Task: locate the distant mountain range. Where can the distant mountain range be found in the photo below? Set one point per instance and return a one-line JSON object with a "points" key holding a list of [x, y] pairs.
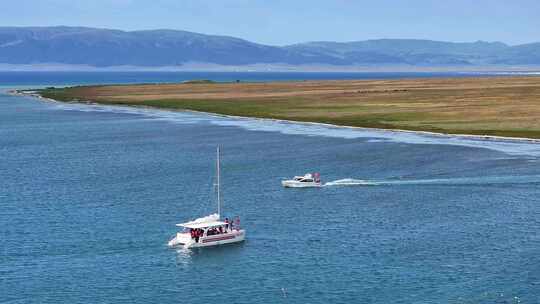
{"points": [[170, 48]]}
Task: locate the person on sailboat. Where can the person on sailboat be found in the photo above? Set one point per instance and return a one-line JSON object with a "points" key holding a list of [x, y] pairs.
{"points": [[197, 235], [237, 222]]}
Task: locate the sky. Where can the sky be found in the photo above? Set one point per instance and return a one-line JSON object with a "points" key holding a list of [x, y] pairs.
{"points": [[282, 22]]}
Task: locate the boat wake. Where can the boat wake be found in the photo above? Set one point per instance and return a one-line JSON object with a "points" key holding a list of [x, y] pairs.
{"points": [[350, 182], [484, 180]]}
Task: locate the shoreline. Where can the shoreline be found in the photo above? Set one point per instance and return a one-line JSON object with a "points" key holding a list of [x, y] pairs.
{"points": [[273, 68], [34, 94]]}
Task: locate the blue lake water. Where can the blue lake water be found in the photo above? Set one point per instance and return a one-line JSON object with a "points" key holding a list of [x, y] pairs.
{"points": [[67, 78], [89, 196]]}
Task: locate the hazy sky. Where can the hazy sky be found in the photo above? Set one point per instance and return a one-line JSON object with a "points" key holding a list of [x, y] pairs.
{"points": [[280, 22]]}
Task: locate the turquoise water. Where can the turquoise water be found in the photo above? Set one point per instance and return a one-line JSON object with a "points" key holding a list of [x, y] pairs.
{"points": [[65, 78], [89, 197]]}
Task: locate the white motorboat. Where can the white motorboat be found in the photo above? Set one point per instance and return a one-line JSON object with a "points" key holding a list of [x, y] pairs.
{"points": [[209, 230], [306, 181]]}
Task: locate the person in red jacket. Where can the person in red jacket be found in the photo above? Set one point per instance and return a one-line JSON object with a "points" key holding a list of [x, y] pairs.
{"points": [[197, 235]]}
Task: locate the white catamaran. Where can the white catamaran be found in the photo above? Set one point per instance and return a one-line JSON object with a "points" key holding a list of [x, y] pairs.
{"points": [[210, 230]]}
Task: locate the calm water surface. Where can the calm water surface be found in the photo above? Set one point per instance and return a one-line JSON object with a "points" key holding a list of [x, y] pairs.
{"points": [[89, 197]]}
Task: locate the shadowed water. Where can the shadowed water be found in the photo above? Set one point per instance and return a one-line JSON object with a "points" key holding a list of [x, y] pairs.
{"points": [[90, 195]]}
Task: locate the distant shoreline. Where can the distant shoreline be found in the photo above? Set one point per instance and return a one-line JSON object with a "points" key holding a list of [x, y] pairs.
{"points": [[35, 94], [276, 68]]}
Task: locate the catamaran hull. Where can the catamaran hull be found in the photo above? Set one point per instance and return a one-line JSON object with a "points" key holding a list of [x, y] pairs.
{"points": [[185, 240], [296, 184], [180, 239]]}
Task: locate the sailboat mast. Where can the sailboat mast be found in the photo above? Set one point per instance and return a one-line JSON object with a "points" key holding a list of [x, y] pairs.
{"points": [[218, 184]]}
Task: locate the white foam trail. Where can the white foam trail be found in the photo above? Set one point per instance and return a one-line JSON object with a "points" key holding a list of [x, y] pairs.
{"points": [[483, 180], [513, 147], [351, 182]]}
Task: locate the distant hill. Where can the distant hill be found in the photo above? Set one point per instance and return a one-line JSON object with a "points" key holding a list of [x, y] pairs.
{"points": [[158, 48], [405, 51]]}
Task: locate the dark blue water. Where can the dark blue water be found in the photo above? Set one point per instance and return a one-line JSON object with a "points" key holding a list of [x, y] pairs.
{"points": [[67, 78], [89, 197]]}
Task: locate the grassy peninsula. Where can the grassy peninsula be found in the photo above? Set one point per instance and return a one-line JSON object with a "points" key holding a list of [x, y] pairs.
{"points": [[497, 106]]}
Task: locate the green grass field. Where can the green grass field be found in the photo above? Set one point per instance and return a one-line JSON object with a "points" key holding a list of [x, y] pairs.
{"points": [[501, 106]]}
